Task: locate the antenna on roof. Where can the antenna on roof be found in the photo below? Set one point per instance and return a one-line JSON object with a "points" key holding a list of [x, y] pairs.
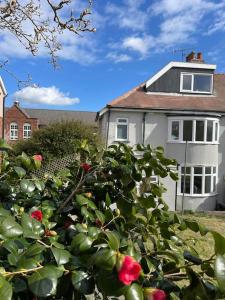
{"points": [[182, 51]]}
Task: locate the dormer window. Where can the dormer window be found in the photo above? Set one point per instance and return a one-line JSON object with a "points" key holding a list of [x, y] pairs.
{"points": [[196, 83]]}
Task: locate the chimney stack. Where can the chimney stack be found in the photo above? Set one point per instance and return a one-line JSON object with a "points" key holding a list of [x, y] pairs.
{"points": [[16, 103], [195, 59]]}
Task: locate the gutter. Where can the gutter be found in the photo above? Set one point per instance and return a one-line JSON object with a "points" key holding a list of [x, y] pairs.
{"points": [[143, 126], [107, 132]]}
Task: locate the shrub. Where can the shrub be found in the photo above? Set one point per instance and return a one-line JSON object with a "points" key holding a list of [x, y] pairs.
{"points": [[87, 231], [58, 139]]}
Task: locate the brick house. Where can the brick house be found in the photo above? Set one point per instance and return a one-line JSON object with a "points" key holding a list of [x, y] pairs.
{"points": [[20, 122]]}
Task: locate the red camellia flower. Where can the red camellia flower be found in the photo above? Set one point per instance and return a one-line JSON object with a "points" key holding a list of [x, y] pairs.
{"points": [[37, 157], [129, 270], [37, 214], [154, 294], [86, 167]]}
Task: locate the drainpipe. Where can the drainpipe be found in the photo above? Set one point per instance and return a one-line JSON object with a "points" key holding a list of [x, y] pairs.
{"points": [[3, 118], [107, 132], [143, 128], [176, 190]]}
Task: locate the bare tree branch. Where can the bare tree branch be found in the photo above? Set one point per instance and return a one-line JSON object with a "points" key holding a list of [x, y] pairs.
{"points": [[28, 22]]}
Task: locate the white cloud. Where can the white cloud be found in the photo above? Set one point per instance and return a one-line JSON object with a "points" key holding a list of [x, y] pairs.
{"points": [[130, 15], [142, 45], [118, 58], [44, 95]]}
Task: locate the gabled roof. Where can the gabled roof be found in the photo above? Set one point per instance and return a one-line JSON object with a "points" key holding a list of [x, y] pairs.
{"points": [[47, 116], [174, 64], [137, 98]]}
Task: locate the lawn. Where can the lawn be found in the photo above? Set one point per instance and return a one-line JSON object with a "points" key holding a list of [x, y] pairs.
{"points": [[204, 244]]}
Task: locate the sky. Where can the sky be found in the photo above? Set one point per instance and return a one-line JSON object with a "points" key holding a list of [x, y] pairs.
{"points": [[133, 40]]}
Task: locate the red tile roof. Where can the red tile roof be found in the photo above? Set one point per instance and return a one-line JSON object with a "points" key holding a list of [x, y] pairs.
{"points": [[138, 98]]}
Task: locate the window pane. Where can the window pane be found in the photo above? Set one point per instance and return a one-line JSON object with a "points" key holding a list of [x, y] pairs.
{"points": [[207, 184], [175, 130], [122, 132], [214, 170], [187, 184], [187, 79], [202, 83], [197, 185], [216, 132], [187, 130], [188, 170], [209, 130], [198, 170], [199, 136], [207, 170], [122, 121]]}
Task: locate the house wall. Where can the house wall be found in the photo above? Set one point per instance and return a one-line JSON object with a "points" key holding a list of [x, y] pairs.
{"points": [[14, 114], [156, 134], [1, 112], [170, 81]]}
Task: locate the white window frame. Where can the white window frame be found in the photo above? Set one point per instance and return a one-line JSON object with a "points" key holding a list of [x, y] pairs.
{"points": [[126, 123], [192, 83], [215, 139], [203, 175], [25, 130], [13, 127]]}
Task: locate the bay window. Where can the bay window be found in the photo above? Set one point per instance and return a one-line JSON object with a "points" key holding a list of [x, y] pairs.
{"points": [[198, 180], [199, 130], [196, 83]]}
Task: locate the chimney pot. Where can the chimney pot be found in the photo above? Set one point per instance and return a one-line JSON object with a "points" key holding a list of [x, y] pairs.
{"points": [[17, 103], [190, 57], [199, 56]]}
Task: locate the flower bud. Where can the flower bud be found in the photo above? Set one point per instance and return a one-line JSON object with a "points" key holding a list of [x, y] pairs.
{"points": [[154, 294], [117, 211], [128, 269], [84, 226], [88, 195]]}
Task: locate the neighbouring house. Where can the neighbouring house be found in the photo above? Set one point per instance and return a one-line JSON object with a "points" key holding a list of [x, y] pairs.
{"points": [[182, 108], [3, 94], [20, 122]]}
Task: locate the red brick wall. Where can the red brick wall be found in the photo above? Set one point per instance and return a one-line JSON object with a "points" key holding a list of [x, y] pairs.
{"points": [[14, 114]]}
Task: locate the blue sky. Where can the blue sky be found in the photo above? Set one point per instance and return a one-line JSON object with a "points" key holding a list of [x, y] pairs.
{"points": [[134, 39]]}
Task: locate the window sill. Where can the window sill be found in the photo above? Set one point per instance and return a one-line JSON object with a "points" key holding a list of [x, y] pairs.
{"points": [[198, 143], [198, 195], [121, 141]]}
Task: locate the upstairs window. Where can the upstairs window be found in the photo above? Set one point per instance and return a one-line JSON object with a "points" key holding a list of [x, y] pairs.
{"points": [[122, 129], [26, 131], [13, 131], [193, 130], [196, 83]]}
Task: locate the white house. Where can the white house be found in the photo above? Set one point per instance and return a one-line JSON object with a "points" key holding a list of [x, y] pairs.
{"points": [[182, 108]]}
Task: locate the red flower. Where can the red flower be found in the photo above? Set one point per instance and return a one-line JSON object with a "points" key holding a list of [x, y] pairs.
{"points": [[154, 294], [37, 157], [86, 167], [129, 270], [37, 214]]}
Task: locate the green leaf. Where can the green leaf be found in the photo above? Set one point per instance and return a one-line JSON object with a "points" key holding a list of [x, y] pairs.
{"points": [[220, 271], [27, 186], [61, 256], [31, 227], [219, 242], [105, 259], [81, 200], [5, 289], [134, 292], [10, 228], [25, 159], [34, 250], [100, 216], [20, 172], [43, 282], [4, 146], [114, 241], [83, 282], [39, 185], [81, 243]]}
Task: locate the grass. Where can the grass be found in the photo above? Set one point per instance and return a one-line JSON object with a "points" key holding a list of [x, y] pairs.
{"points": [[204, 244]]}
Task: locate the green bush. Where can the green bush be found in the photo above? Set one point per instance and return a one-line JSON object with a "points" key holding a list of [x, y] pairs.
{"points": [[58, 139], [87, 231]]}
